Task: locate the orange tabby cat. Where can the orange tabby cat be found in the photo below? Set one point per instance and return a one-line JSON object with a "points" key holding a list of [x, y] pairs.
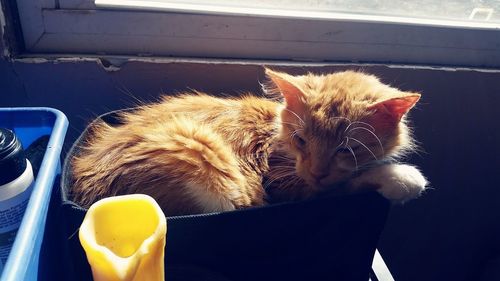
{"points": [[196, 153]]}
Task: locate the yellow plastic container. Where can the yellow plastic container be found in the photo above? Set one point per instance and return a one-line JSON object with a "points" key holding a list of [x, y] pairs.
{"points": [[124, 239]]}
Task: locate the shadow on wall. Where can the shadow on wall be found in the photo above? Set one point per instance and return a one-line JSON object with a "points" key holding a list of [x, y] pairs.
{"points": [[449, 234]]}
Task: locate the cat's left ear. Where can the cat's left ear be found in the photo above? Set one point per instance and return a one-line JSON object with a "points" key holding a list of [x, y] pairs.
{"points": [[396, 107], [294, 96]]}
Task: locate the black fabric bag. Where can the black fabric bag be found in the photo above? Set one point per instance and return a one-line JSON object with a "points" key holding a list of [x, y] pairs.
{"points": [[328, 238]]}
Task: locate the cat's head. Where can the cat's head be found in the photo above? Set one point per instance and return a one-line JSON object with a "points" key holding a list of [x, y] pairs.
{"points": [[335, 124]]}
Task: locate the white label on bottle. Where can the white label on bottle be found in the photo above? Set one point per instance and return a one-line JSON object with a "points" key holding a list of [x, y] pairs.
{"points": [[11, 214]]}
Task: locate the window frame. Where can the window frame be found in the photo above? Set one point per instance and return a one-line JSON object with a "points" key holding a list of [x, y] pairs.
{"points": [[79, 27]]}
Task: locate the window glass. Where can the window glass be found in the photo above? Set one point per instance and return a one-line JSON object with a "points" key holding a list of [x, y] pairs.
{"points": [[475, 10]]}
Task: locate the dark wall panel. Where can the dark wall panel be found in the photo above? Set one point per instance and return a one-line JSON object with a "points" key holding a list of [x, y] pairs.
{"points": [[451, 233]]}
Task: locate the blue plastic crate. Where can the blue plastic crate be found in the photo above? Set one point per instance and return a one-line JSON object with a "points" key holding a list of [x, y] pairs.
{"points": [[30, 124]]}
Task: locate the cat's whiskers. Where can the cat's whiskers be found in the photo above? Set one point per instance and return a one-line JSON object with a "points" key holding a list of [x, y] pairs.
{"points": [[277, 176], [288, 158], [298, 117], [283, 167], [364, 123], [279, 171], [348, 126], [293, 181], [281, 174], [352, 152], [291, 124], [341, 117], [341, 144], [367, 148], [284, 160], [358, 122], [281, 185], [294, 133], [372, 133]]}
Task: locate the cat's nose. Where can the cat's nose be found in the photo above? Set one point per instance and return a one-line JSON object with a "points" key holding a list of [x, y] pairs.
{"points": [[318, 175]]}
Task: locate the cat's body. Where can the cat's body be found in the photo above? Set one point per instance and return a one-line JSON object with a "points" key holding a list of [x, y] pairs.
{"points": [[196, 153], [185, 153]]}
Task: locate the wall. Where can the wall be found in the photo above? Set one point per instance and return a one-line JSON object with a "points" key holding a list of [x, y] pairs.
{"points": [[449, 234]]}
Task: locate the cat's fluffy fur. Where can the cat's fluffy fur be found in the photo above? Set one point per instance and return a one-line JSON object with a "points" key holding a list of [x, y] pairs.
{"points": [[196, 153]]}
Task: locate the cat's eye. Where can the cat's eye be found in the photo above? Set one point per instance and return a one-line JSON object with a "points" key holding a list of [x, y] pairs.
{"points": [[343, 150], [300, 141]]}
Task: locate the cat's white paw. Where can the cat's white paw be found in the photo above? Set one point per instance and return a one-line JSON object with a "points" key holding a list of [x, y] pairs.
{"points": [[396, 182], [402, 182]]}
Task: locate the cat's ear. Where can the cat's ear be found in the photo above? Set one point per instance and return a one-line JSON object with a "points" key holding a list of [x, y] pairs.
{"points": [[294, 96], [394, 108]]}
